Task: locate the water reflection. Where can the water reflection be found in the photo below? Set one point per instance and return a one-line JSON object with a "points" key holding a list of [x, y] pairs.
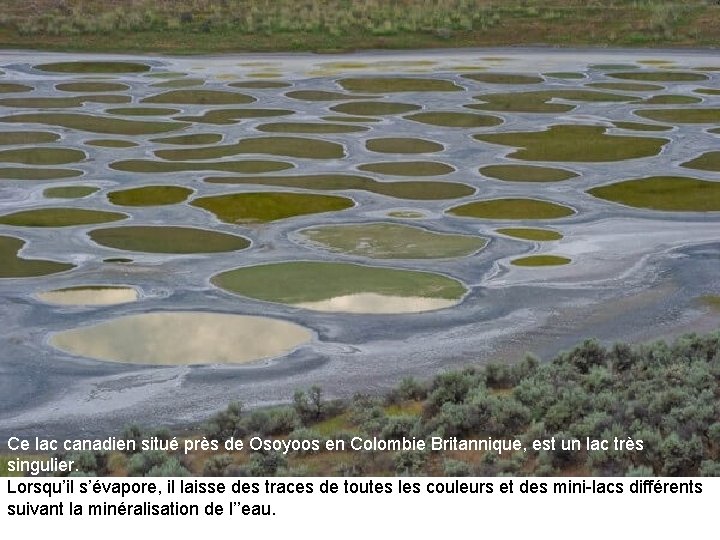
{"points": [[90, 296], [372, 303], [176, 338]]}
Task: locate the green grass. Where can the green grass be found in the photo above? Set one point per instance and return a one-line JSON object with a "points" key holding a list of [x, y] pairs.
{"points": [[659, 76], [95, 124], [407, 408], [28, 173], [159, 167], [321, 95], [69, 192], [299, 282], [309, 127], [15, 267], [640, 126], [535, 235], [455, 119], [4, 467], [176, 240], [10, 88], [569, 143], [682, 116], [81, 87], [526, 173], [263, 207], [708, 91], [384, 85], [671, 99], [334, 425], [712, 301], [666, 193], [415, 190], [111, 143], [142, 111], [94, 67], [200, 97], [195, 138], [512, 209], [150, 196], [298, 147], [571, 75], [709, 161], [59, 217], [374, 108], [402, 145], [27, 137], [42, 155], [391, 241], [504, 78], [62, 102], [540, 260]]}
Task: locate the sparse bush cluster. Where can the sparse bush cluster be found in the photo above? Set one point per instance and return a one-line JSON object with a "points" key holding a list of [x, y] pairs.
{"points": [[667, 395]]}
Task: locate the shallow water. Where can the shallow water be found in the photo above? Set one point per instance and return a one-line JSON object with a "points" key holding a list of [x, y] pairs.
{"points": [[169, 338], [90, 295], [377, 304], [317, 284]]}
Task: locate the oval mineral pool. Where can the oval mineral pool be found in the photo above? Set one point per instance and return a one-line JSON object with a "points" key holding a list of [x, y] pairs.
{"points": [[573, 143], [81, 87], [90, 295], [182, 338], [391, 241], [12, 265], [245, 208], [540, 260], [69, 192], [199, 97], [343, 287], [168, 239], [59, 217]]}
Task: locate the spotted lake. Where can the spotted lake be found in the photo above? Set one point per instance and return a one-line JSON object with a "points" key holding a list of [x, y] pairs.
{"points": [[179, 232]]}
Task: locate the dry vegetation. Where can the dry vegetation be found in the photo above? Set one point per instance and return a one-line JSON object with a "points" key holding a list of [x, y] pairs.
{"points": [[327, 25], [666, 395]]}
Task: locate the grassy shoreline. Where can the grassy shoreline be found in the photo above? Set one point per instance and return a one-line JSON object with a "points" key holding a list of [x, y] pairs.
{"points": [[328, 26]]}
